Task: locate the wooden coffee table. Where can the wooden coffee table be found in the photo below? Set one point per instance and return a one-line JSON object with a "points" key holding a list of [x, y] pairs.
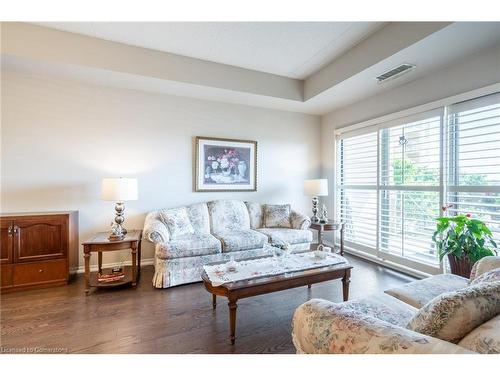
{"points": [[268, 284]]}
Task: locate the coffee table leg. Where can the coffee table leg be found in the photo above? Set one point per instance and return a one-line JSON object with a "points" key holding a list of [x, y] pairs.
{"points": [[232, 319], [309, 286], [345, 284], [214, 301]]}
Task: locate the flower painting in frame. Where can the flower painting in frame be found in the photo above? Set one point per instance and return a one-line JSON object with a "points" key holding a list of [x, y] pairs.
{"points": [[225, 165]]}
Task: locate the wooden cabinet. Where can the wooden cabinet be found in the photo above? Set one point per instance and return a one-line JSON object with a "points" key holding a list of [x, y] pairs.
{"points": [[6, 241], [37, 249]]}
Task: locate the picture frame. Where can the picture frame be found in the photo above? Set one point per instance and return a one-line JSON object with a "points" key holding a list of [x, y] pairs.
{"points": [[225, 165]]}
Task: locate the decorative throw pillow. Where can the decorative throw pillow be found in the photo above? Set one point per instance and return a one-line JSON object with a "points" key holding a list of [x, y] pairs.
{"points": [[484, 265], [277, 215], [255, 212], [177, 222], [487, 277], [452, 315]]}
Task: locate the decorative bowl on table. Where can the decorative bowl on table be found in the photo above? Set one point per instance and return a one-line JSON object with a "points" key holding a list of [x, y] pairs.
{"points": [[320, 254], [232, 265], [280, 250]]}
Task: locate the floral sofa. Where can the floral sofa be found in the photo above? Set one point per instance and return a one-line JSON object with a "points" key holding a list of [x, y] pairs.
{"points": [[186, 238], [440, 314]]}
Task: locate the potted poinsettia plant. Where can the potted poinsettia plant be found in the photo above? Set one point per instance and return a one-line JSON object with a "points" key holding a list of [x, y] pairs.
{"points": [[464, 240]]}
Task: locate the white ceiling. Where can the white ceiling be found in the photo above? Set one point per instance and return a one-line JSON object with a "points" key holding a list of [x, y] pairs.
{"points": [[34, 52], [443, 48], [290, 49]]}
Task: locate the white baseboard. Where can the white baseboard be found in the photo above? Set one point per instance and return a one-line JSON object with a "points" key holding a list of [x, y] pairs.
{"points": [[385, 263], [371, 258], [144, 262]]}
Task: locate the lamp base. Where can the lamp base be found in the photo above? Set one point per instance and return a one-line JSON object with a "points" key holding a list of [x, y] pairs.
{"points": [[118, 232], [314, 217]]}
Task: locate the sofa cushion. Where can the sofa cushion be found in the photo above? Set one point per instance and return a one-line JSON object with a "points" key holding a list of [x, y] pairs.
{"points": [[484, 339], [190, 245], [291, 236], [177, 222], [487, 277], [238, 240], [383, 307], [277, 216], [228, 215], [198, 215], [452, 315], [256, 215], [418, 293]]}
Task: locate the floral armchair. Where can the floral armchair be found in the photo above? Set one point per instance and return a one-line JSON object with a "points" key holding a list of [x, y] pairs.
{"points": [[381, 323], [323, 327]]}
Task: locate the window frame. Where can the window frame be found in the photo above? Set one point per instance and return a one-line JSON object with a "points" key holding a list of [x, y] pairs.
{"points": [[378, 187], [443, 188]]}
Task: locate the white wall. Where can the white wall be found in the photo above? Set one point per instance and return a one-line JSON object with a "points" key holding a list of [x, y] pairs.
{"points": [[59, 138], [471, 73]]}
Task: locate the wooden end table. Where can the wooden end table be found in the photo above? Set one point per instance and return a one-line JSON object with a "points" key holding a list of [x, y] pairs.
{"points": [[100, 243], [330, 227], [268, 284]]}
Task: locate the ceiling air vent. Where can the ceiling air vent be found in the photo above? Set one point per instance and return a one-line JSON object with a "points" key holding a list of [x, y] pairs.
{"points": [[395, 72]]}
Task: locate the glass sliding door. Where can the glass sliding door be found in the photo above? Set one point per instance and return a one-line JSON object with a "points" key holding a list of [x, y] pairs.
{"points": [[410, 161], [393, 178]]}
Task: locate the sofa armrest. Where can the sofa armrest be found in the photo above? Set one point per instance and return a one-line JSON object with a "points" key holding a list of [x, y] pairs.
{"points": [[322, 327], [163, 250], [299, 220], [154, 229], [484, 265]]}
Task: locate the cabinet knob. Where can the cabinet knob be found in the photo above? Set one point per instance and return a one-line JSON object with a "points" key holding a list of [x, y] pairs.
{"points": [[40, 271]]}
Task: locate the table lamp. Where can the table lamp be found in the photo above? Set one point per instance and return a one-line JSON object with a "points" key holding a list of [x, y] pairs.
{"points": [[315, 188], [119, 190]]}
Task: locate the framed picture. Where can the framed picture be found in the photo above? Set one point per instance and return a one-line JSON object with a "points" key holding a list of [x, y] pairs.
{"points": [[225, 165]]}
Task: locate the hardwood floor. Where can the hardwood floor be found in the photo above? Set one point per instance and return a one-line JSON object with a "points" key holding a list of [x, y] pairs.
{"points": [[175, 320]]}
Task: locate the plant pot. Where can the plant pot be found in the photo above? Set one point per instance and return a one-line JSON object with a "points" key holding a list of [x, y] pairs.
{"points": [[460, 266]]}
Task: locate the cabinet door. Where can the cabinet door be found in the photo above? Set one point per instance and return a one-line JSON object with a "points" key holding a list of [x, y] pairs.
{"points": [[6, 240], [40, 238]]}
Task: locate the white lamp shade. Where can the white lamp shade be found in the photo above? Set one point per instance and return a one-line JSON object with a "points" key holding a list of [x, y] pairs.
{"points": [[119, 189], [316, 188]]}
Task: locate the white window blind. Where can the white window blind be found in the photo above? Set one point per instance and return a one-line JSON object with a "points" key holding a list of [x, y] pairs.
{"points": [[357, 189], [393, 179], [473, 172]]}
